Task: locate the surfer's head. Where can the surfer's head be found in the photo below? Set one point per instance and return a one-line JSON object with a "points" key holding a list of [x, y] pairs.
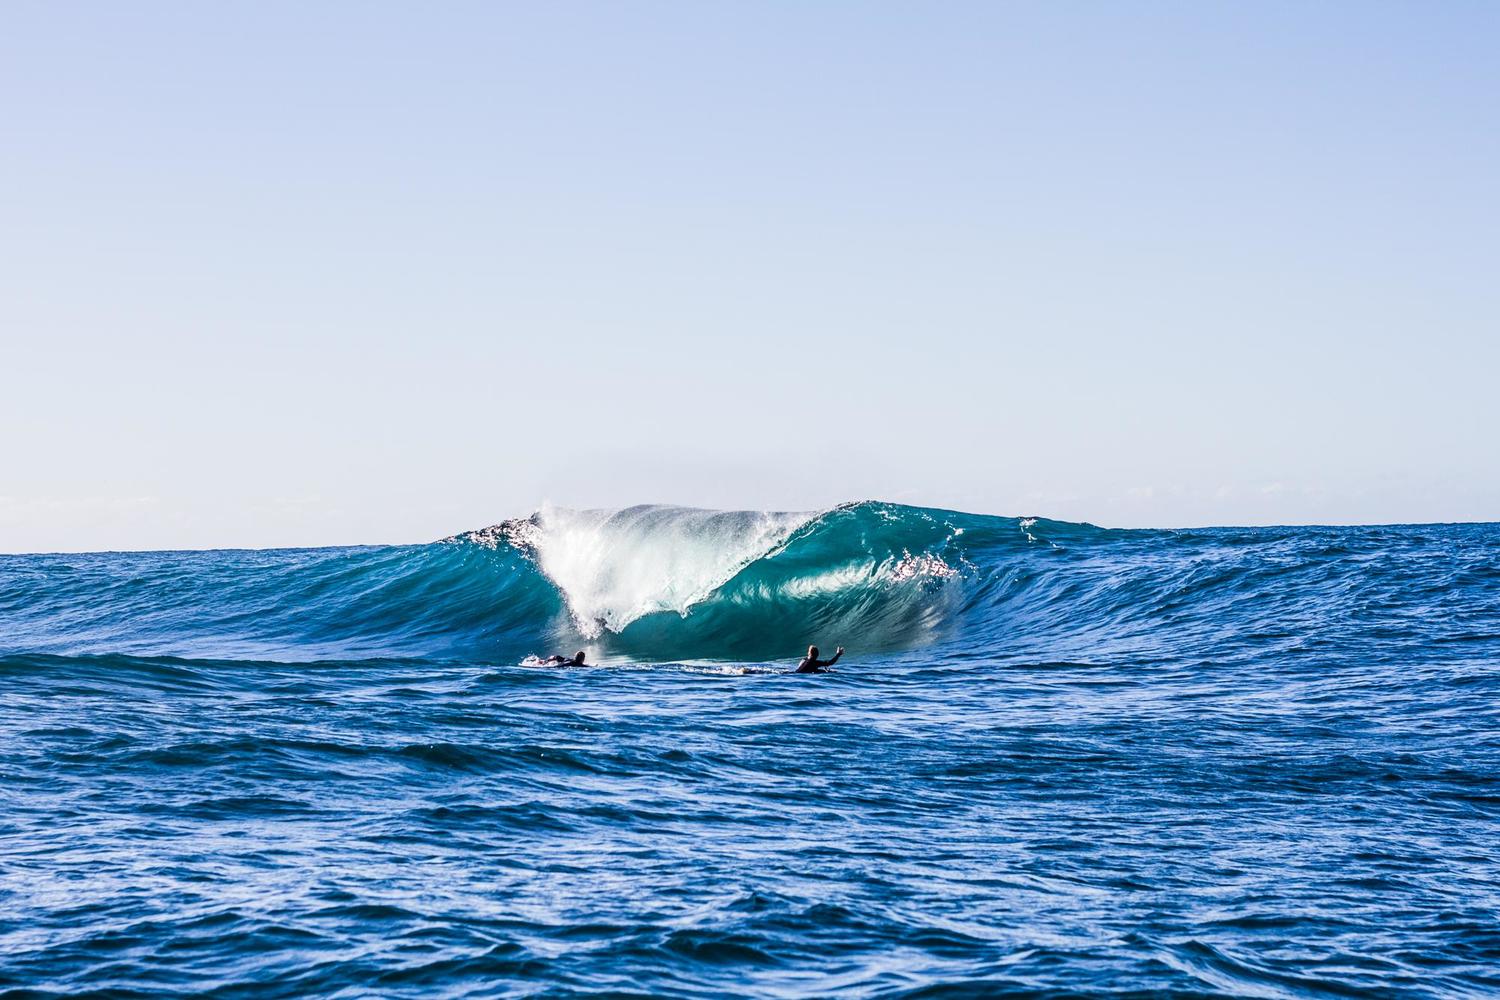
{"points": [[812, 652], [578, 658]]}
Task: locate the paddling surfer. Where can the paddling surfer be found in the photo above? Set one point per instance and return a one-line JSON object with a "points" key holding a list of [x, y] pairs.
{"points": [[558, 660], [812, 665]]}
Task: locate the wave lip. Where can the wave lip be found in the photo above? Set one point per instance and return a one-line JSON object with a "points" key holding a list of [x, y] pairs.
{"points": [[678, 581], [614, 567]]}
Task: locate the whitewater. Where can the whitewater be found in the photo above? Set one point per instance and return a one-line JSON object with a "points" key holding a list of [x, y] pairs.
{"points": [[1057, 760]]}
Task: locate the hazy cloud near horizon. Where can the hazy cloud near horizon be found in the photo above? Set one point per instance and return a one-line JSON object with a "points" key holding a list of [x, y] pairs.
{"points": [[275, 275]]}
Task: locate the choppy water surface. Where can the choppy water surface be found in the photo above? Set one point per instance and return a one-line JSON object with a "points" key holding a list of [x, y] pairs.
{"points": [[1057, 760]]}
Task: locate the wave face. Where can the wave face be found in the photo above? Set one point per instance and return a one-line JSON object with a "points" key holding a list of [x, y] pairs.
{"points": [[647, 581], [615, 567], [677, 582], [278, 604], [1058, 760], [662, 582]]}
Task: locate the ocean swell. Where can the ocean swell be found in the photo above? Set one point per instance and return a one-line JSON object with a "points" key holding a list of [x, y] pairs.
{"points": [[659, 583]]}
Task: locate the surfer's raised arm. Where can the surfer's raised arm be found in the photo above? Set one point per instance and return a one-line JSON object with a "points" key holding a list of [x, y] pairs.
{"points": [[812, 665]]}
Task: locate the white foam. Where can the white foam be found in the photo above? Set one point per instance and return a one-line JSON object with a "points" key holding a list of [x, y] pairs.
{"points": [[614, 566]]}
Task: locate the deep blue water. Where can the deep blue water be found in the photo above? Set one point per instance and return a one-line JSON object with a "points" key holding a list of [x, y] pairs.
{"points": [[1056, 760]]}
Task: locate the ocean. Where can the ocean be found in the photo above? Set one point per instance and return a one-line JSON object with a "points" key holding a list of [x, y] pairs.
{"points": [[1056, 760]]}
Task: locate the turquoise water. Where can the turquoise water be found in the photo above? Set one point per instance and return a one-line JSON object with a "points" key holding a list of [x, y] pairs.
{"points": [[1056, 760]]}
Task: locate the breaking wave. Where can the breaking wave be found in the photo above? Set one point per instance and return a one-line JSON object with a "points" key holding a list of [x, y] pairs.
{"points": [[654, 581], [662, 582], [680, 582]]}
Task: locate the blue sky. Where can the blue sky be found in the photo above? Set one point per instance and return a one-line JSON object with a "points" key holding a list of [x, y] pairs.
{"points": [[302, 274]]}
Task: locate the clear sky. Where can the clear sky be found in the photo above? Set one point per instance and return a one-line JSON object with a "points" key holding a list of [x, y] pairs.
{"points": [[292, 273]]}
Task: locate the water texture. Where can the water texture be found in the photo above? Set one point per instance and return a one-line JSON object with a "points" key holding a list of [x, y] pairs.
{"points": [[1056, 761]]}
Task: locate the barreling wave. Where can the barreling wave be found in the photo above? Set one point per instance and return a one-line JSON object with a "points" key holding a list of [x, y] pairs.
{"points": [[661, 582], [649, 581], [679, 582]]}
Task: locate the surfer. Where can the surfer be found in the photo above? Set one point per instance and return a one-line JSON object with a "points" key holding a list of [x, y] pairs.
{"points": [[812, 665], [558, 660]]}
